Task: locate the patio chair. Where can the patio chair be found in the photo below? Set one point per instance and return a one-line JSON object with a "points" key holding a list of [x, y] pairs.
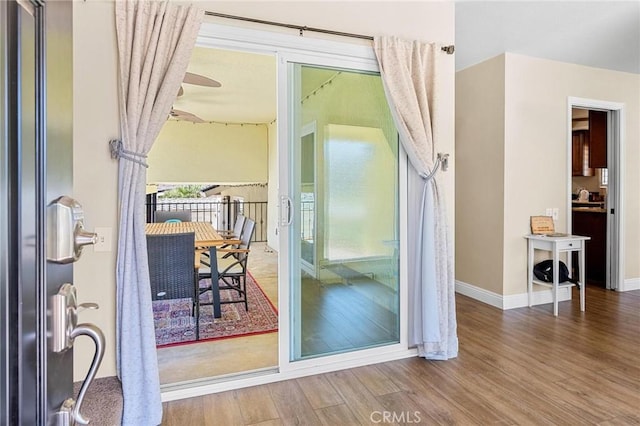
{"points": [[235, 234], [173, 216], [232, 272], [171, 269]]}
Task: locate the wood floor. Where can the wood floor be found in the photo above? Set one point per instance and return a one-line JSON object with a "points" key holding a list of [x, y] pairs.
{"points": [[340, 317], [516, 367]]}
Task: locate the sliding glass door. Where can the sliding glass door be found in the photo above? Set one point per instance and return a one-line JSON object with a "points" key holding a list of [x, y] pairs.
{"points": [[343, 190]]}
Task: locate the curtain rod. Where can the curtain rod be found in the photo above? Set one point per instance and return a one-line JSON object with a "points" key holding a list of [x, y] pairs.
{"points": [[301, 28]]}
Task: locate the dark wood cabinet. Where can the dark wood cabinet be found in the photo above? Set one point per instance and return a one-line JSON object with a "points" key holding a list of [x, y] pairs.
{"points": [[580, 154], [598, 139], [593, 224]]}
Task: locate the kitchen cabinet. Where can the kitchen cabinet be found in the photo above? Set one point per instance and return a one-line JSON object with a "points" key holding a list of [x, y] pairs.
{"points": [[598, 139], [592, 222], [580, 154]]}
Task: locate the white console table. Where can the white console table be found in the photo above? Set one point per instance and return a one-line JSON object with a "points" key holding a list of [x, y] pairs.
{"points": [[556, 245]]}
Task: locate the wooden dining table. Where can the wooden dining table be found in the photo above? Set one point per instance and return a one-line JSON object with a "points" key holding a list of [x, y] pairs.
{"points": [[206, 236]]}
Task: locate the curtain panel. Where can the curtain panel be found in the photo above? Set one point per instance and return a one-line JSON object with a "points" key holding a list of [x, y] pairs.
{"points": [[409, 73], [155, 41]]}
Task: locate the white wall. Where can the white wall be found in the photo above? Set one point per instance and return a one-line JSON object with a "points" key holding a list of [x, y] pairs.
{"points": [[96, 113]]}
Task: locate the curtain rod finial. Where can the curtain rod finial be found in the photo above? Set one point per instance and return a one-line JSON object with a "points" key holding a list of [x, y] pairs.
{"points": [[449, 49]]}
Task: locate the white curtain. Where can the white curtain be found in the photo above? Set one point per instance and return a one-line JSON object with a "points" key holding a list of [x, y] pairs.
{"points": [[409, 74], [155, 40]]}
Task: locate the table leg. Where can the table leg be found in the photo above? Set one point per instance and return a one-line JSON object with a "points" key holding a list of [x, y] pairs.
{"points": [[530, 255], [196, 284], [556, 276], [582, 276], [215, 294]]}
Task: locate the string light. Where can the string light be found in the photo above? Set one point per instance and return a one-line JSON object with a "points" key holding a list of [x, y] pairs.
{"points": [[322, 86]]}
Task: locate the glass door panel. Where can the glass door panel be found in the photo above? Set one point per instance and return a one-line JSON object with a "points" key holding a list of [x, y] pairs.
{"points": [[344, 183]]}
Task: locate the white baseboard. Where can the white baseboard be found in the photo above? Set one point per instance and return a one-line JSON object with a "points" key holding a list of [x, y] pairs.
{"points": [[630, 284], [511, 301]]}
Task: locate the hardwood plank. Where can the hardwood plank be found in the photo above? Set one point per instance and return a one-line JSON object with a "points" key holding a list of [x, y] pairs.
{"points": [[184, 411], [293, 407], [221, 408], [406, 407], [359, 399], [412, 376], [622, 421], [337, 415], [256, 404], [319, 392], [375, 380]]}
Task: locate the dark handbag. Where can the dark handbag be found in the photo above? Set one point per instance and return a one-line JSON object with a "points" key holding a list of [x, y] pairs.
{"points": [[544, 271]]}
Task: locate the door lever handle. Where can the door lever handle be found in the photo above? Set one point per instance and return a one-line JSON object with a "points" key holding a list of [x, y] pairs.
{"points": [[98, 339], [87, 305]]}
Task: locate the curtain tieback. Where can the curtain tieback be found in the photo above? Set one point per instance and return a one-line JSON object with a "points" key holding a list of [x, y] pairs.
{"points": [[118, 152], [442, 159]]}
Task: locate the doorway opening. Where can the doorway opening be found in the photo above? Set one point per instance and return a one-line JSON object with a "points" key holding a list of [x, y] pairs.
{"points": [[595, 187], [215, 159]]}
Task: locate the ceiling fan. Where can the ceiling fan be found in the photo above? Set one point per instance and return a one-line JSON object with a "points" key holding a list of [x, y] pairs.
{"points": [[197, 80], [185, 116]]}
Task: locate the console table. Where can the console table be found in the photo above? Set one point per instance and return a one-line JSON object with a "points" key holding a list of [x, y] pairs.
{"points": [[556, 245]]}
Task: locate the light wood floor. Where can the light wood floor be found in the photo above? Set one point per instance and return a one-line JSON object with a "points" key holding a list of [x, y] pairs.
{"points": [[516, 367]]}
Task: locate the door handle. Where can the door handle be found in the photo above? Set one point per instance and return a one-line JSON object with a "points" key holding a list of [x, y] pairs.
{"points": [[286, 205], [98, 339], [65, 330]]}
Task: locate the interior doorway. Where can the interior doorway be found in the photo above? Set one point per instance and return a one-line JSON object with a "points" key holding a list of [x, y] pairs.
{"points": [[595, 187]]}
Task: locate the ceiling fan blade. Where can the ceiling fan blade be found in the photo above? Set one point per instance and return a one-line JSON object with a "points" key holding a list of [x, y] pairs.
{"points": [[181, 91], [187, 116], [200, 80]]}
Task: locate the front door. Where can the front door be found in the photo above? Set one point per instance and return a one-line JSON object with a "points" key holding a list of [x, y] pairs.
{"points": [[36, 166]]}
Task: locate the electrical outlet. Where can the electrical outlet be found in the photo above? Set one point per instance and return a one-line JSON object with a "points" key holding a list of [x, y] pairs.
{"points": [[104, 239], [555, 213], [549, 212]]}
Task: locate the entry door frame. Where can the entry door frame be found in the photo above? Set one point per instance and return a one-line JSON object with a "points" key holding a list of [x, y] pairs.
{"points": [[615, 186]]}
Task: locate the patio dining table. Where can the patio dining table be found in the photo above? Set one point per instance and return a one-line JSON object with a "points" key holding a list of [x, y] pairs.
{"points": [[206, 236]]}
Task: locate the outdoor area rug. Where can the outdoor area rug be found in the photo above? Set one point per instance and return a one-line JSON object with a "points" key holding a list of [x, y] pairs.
{"points": [[175, 326]]}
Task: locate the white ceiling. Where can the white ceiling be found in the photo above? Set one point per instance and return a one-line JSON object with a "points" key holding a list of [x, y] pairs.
{"points": [[602, 34]]}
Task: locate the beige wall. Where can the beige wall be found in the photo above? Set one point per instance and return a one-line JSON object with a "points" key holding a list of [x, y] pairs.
{"points": [[95, 181], [480, 174], [536, 134], [209, 153], [96, 114], [535, 160]]}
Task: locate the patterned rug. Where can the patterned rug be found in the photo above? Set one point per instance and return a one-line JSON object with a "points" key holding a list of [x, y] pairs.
{"points": [[175, 326]]}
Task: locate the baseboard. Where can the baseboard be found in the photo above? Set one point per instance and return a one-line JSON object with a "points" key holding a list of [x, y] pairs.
{"points": [[511, 301], [630, 284]]}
